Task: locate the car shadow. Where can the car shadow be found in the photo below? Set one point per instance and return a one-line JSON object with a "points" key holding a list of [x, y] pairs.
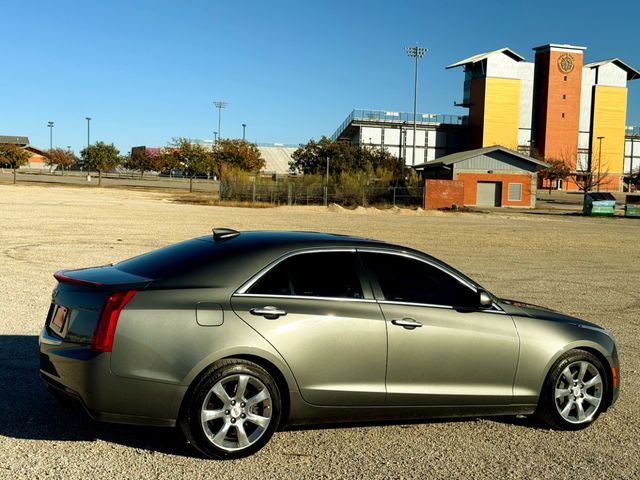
{"points": [[29, 411]]}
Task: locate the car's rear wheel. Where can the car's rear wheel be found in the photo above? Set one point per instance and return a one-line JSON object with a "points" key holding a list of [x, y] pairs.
{"points": [[232, 411], [574, 392]]}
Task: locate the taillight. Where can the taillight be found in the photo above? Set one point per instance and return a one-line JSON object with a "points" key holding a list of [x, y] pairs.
{"points": [[102, 340]]}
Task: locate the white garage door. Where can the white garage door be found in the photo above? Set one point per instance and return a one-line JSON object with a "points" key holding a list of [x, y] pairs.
{"points": [[489, 194]]}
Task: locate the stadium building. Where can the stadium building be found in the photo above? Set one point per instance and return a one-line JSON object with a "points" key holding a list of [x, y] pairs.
{"points": [[556, 107]]}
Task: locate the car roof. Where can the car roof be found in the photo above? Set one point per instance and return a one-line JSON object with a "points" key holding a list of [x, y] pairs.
{"points": [[215, 260]]}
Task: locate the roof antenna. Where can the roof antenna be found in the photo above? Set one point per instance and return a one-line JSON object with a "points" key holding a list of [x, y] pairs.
{"points": [[224, 233]]}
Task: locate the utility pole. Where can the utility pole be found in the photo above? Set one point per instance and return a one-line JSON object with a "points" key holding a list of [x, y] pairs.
{"points": [[599, 162], [417, 53], [244, 127]]}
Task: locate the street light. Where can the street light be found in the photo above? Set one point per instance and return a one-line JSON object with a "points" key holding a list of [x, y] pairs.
{"points": [[244, 127], [417, 53], [50, 125], [599, 162], [88, 131], [219, 105]]}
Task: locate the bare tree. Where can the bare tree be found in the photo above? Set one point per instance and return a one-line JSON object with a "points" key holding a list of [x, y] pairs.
{"points": [[558, 169]]}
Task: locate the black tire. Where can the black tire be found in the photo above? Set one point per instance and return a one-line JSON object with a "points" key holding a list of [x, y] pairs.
{"points": [[574, 392], [243, 407]]}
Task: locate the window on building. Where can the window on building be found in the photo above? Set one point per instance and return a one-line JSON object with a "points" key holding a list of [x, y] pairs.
{"points": [[515, 192], [563, 115], [565, 78], [564, 97]]}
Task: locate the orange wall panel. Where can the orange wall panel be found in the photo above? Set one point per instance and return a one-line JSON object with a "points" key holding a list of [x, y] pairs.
{"points": [[476, 111]]}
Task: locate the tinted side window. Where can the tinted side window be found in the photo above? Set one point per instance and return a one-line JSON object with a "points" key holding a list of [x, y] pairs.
{"points": [[404, 279], [331, 274]]}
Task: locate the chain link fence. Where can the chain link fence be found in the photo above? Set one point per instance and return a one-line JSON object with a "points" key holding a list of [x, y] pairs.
{"points": [[317, 194]]}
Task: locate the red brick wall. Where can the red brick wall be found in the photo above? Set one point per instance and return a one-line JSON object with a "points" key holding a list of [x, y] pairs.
{"points": [[558, 104], [471, 180], [443, 193]]}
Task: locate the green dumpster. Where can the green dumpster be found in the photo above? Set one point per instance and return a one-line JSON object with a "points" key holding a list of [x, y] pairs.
{"points": [[632, 206], [601, 204]]}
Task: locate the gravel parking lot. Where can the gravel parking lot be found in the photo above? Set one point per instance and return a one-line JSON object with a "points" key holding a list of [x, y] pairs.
{"points": [[587, 267]]}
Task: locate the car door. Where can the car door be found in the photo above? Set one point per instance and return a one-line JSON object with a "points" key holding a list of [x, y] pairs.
{"points": [[442, 349], [317, 309]]}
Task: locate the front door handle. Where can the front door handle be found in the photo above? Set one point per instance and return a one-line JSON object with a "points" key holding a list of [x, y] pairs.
{"points": [[269, 312], [408, 323]]}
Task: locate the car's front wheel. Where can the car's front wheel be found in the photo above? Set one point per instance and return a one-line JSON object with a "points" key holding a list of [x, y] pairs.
{"points": [[574, 392], [232, 411]]}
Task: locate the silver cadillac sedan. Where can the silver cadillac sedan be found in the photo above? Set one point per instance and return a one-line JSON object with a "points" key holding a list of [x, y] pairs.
{"points": [[233, 335]]}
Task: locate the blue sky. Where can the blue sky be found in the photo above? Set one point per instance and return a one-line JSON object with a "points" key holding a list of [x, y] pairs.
{"points": [[148, 71]]}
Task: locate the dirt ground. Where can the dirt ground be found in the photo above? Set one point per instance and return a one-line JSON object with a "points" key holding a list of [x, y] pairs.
{"points": [[588, 267]]}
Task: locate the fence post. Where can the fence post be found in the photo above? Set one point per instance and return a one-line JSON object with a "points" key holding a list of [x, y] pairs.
{"points": [[394, 196], [326, 195], [289, 195], [253, 194]]}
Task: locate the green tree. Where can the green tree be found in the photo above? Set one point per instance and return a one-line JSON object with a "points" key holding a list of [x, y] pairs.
{"points": [[194, 159], [100, 156], [238, 154], [13, 156], [311, 158], [143, 161], [60, 157], [342, 157]]}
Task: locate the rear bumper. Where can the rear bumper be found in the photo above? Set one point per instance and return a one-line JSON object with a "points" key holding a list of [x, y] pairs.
{"points": [[77, 372]]}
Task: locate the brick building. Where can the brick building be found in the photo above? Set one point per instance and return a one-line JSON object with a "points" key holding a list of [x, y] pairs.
{"points": [[485, 177]]}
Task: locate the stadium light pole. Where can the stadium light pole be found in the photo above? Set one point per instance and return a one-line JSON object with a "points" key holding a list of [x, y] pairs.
{"points": [[50, 125], [215, 137], [599, 162], [417, 53], [244, 128], [219, 104]]}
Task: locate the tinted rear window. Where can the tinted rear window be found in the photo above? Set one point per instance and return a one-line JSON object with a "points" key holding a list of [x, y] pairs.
{"points": [[172, 259]]}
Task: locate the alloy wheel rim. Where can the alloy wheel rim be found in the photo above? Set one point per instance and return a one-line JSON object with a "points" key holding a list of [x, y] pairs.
{"points": [[236, 412], [578, 392]]}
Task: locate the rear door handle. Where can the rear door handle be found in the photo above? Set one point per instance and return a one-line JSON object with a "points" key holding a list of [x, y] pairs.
{"points": [[408, 323], [268, 312]]}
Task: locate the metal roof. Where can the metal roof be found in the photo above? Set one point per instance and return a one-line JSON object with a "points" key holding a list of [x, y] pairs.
{"points": [[484, 56], [632, 73], [467, 154], [16, 140]]}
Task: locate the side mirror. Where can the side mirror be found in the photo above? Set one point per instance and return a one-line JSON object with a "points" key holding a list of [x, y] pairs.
{"points": [[484, 299]]}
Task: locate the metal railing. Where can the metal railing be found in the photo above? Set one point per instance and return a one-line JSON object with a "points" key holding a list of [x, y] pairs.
{"points": [[398, 118]]}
